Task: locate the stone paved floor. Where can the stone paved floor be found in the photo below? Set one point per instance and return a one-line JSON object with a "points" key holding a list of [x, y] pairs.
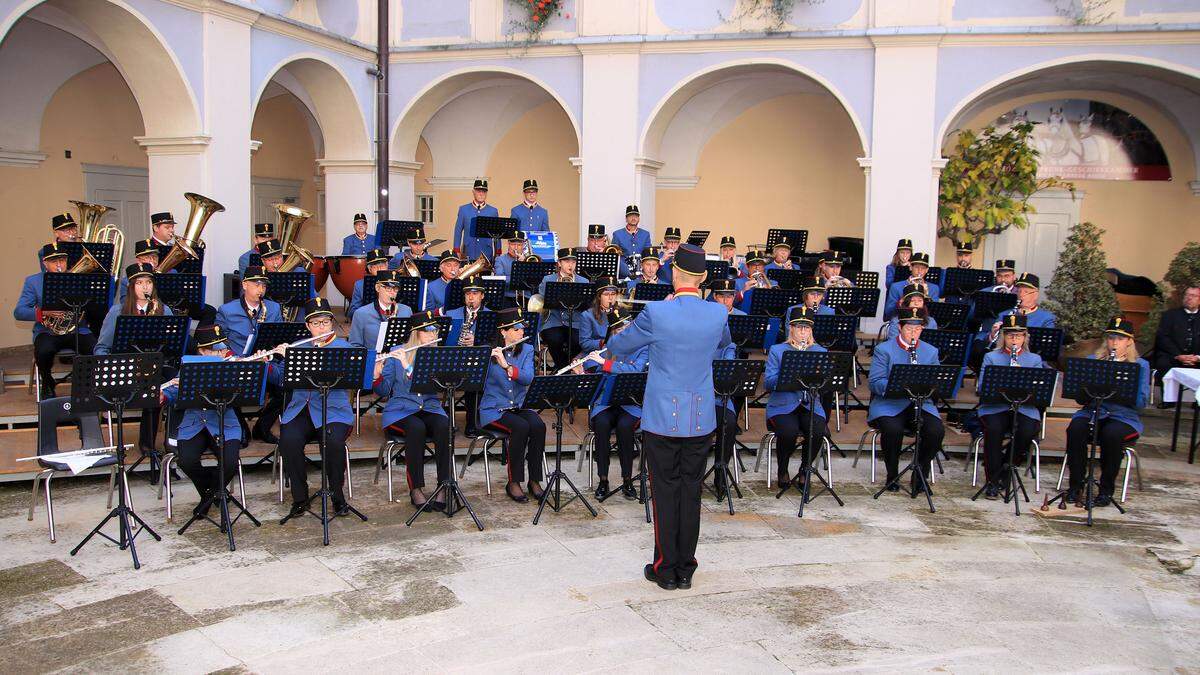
{"points": [[876, 585]]}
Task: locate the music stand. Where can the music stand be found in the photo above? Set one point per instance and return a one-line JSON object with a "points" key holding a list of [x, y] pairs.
{"points": [[1015, 386], [716, 269], [965, 281], [949, 315], [494, 228], [789, 279], [810, 373], [561, 392], [442, 371], [217, 385], [989, 304], [493, 294], [918, 383], [398, 330], [1092, 383], [1046, 343], [749, 329], [114, 383], [866, 279], [731, 377], [853, 300], [102, 251], [325, 369], [954, 347], [396, 232], [698, 237], [595, 265], [484, 330], [165, 334], [835, 332], [526, 277], [67, 292], [797, 238], [652, 292], [629, 389], [183, 293], [774, 301], [570, 297], [271, 334], [289, 289], [429, 269], [411, 291]]}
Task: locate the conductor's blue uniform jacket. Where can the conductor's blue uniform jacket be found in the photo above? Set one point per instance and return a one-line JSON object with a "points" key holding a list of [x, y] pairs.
{"points": [[470, 247], [631, 243], [536, 219]]}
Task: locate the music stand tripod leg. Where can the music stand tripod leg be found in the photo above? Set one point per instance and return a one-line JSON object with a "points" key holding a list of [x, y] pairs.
{"points": [[810, 469], [448, 488], [914, 465], [720, 469], [555, 483]]}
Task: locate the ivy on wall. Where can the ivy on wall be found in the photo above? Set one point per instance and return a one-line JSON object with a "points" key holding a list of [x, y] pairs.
{"points": [[533, 15], [1084, 12], [774, 12]]}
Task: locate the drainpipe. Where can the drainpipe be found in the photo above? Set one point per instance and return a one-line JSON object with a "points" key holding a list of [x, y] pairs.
{"points": [[381, 113]]}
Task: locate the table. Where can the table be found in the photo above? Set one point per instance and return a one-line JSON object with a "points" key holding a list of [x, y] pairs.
{"points": [[1182, 378]]}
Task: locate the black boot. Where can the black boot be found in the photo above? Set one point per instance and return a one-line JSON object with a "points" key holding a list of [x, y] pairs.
{"points": [[602, 488], [627, 489]]}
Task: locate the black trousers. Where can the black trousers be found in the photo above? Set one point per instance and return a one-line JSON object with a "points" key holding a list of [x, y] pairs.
{"points": [[47, 345], [731, 431], [419, 428], [205, 477], [561, 351], [994, 428], [978, 350], [789, 427], [891, 438], [1112, 435], [292, 438], [526, 443], [603, 423], [271, 410], [676, 465]]}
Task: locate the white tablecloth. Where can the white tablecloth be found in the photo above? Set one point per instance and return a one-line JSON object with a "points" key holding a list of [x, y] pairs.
{"points": [[1188, 377]]}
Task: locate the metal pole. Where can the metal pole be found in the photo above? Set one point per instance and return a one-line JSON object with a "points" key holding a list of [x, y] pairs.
{"points": [[381, 112]]}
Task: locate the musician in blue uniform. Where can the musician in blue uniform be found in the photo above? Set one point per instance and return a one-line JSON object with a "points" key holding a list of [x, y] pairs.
{"points": [[1028, 290], [724, 292], [419, 417], [365, 324], [829, 269], [162, 229], [623, 419], [1117, 426], [302, 419], [904, 251], [435, 291], [377, 261], [963, 254], [502, 266], [531, 216], [143, 302], [790, 413], [812, 296], [47, 345], [650, 264], [756, 277], [597, 241], [415, 251], [361, 241], [631, 239], [892, 416], [728, 253], [678, 415], [594, 322], [64, 229], [997, 417], [199, 428], [561, 338], [263, 232], [781, 256], [1006, 276], [509, 373], [913, 298], [467, 315], [239, 321], [671, 238], [467, 246], [918, 267]]}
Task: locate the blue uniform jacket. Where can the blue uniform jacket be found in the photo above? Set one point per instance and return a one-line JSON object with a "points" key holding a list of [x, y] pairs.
{"points": [[244, 261], [1038, 318], [195, 419], [352, 245], [398, 260], [356, 297], [1122, 413], [638, 281], [536, 219], [502, 391], [997, 357], [31, 299], [470, 247], [592, 331], [435, 293], [896, 290], [894, 326], [888, 353], [237, 326], [631, 243], [394, 384], [636, 363], [364, 325], [108, 331], [558, 317], [784, 402], [682, 334], [502, 267], [339, 399]]}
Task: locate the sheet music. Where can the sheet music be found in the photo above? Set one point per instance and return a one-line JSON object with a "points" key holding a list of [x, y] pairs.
{"points": [[81, 463], [383, 326]]}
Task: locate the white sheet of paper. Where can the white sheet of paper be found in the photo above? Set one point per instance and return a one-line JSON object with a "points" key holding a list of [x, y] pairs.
{"points": [[382, 334], [81, 463]]}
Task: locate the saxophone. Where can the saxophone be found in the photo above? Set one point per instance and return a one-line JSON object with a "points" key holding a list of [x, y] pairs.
{"points": [[466, 336]]}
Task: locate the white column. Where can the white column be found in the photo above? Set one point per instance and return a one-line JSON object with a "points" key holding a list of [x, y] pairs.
{"points": [[901, 199], [610, 132], [349, 189], [644, 191], [402, 191]]}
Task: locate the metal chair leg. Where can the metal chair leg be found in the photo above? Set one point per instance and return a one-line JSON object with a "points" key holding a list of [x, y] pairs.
{"points": [[764, 448], [1037, 467], [975, 460], [241, 483], [349, 477], [579, 455], [50, 508], [33, 498], [487, 468], [874, 441], [759, 455], [278, 466], [861, 441], [164, 483], [828, 461], [467, 460], [163, 472], [591, 459], [1061, 472]]}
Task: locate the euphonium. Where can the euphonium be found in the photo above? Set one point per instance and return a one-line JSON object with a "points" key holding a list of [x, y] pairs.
{"points": [[612, 248], [68, 322], [532, 257], [410, 268], [481, 265], [288, 224], [89, 218], [186, 245]]}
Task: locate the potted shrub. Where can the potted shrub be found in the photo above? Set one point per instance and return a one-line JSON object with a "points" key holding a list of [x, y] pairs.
{"points": [[1080, 295]]}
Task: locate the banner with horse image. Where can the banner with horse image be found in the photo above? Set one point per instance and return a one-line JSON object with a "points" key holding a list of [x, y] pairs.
{"points": [[1089, 140]]}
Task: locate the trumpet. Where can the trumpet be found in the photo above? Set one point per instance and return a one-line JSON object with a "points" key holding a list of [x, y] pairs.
{"points": [[579, 362], [838, 282]]}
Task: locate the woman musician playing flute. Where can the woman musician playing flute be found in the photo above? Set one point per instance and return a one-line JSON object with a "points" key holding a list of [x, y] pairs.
{"points": [[508, 377]]}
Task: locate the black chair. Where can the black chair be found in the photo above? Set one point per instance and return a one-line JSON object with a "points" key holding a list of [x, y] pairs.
{"points": [[51, 413], [484, 438]]}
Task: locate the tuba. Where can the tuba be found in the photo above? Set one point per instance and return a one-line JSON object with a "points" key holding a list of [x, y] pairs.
{"points": [[189, 242], [89, 218], [68, 322], [479, 267], [290, 220]]}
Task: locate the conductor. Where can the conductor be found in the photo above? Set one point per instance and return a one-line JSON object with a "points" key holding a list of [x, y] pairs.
{"points": [[679, 413]]}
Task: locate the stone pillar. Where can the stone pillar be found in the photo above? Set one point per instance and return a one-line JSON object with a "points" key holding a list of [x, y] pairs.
{"points": [[349, 189], [610, 134], [644, 192], [402, 192]]}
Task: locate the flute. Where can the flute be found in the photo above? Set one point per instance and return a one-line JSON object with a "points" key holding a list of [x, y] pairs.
{"points": [[395, 353], [579, 362], [258, 355]]}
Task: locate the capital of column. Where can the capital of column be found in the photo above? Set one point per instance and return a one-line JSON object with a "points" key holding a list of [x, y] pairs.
{"points": [[399, 168], [451, 182], [329, 166], [29, 159], [174, 145], [939, 164], [255, 146], [646, 166], [576, 162], [864, 163]]}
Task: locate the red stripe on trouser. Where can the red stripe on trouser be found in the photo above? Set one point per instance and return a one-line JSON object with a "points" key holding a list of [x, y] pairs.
{"points": [[654, 509], [1132, 436], [507, 465]]}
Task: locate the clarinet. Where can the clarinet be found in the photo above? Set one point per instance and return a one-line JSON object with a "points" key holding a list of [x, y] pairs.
{"points": [[1012, 359], [1112, 355], [912, 354]]}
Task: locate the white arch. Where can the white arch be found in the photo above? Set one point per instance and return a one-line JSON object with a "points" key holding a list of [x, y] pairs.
{"points": [[952, 117], [662, 114], [340, 118], [406, 133], [150, 68]]}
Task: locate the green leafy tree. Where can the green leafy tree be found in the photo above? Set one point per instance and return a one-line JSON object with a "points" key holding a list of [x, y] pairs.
{"points": [[1080, 295], [1183, 271], [987, 182]]}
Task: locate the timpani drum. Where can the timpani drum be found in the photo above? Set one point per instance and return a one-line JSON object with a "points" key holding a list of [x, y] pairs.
{"points": [[345, 270], [320, 272]]}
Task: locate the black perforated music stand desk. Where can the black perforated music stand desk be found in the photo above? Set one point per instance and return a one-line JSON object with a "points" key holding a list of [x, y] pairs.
{"points": [[954, 347], [115, 383], [989, 304], [289, 289], [949, 315], [732, 378], [63, 291], [595, 265], [866, 279], [853, 300], [774, 301], [789, 279], [527, 276], [493, 294], [396, 232], [698, 237], [398, 329], [183, 293], [485, 329], [102, 251], [797, 238], [217, 385], [429, 269], [1046, 342], [1014, 386], [165, 334], [812, 373], [493, 227], [918, 383], [965, 281], [716, 269], [749, 331], [630, 389], [562, 393], [188, 265], [835, 332], [652, 292]]}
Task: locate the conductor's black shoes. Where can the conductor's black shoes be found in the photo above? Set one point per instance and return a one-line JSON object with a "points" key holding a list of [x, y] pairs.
{"points": [[684, 584], [652, 576]]}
